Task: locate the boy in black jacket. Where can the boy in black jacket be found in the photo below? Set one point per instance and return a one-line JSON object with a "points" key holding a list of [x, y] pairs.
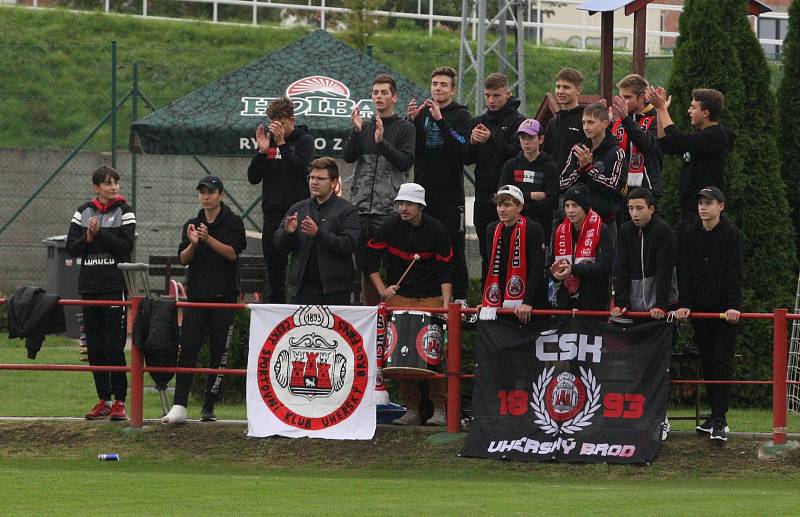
{"points": [[704, 152], [535, 174], [102, 233], [710, 280], [645, 276], [565, 129], [442, 127], [600, 164], [281, 165], [211, 244], [492, 142]]}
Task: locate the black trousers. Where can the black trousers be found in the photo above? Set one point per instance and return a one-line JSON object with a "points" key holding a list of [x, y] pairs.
{"points": [[105, 343], [312, 296], [484, 213], [716, 341], [449, 209], [199, 324], [275, 287]]}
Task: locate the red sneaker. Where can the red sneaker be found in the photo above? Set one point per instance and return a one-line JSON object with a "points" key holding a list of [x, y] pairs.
{"points": [[118, 411], [100, 411]]}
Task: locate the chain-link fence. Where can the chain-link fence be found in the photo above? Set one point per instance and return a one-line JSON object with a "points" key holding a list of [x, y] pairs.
{"points": [[55, 96]]}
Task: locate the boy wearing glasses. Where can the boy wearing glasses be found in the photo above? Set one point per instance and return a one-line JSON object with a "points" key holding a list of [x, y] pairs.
{"points": [[321, 234]]}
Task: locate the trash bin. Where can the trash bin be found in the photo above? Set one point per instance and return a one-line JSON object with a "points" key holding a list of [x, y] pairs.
{"points": [[62, 279]]}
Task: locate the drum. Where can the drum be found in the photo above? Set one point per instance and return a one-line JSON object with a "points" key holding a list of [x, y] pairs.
{"points": [[415, 344]]}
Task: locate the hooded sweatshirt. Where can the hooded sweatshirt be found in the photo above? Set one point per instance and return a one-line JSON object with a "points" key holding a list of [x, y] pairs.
{"points": [[604, 177], [563, 131], [439, 165], [379, 168], [282, 172], [210, 276], [710, 271], [112, 244], [539, 175], [646, 142], [705, 158], [501, 147]]}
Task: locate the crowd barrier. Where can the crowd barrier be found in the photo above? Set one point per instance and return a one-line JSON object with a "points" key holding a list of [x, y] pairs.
{"points": [[780, 321]]}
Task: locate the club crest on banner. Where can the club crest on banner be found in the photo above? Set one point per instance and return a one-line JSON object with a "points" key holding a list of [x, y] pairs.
{"points": [[310, 355], [565, 404]]}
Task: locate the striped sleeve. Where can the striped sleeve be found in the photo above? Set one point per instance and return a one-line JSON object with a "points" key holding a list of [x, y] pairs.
{"points": [[76, 218], [128, 218]]}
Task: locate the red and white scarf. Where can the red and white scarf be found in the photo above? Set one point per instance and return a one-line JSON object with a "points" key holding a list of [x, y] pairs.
{"points": [[636, 166], [512, 294], [585, 249]]}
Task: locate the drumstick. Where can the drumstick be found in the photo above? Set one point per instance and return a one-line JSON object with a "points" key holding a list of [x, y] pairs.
{"points": [[416, 258]]}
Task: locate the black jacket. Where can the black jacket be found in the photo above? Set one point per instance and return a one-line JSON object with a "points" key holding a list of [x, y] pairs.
{"points": [[156, 333], [645, 274], [502, 145], [646, 143], [210, 276], [112, 244], [380, 168], [710, 267], [563, 131], [32, 313], [594, 276], [439, 160], [339, 231], [395, 246], [282, 173], [705, 158], [540, 175], [536, 290], [605, 177]]}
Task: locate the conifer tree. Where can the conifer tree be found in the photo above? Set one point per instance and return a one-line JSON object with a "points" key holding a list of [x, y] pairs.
{"points": [[789, 115]]}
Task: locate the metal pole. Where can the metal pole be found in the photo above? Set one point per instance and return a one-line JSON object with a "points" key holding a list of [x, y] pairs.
{"points": [[134, 116], [521, 56], [639, 41], [779, 367], [144, 8], [430, 17], [114, 104], [481, 57], [462, 53], [454, 368], [322, 15], [137, 373], [255, 12]]}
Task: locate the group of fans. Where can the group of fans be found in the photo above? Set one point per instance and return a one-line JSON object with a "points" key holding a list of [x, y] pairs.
{"points": [[566, 216]]}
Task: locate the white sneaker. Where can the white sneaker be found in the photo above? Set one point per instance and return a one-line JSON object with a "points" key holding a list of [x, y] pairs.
{"points": [[176, 415], [665, 429], [410, 418], [439, 418], [382, 397]]}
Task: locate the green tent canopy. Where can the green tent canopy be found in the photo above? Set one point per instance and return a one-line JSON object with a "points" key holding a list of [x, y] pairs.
{"points": [[324, 77]]}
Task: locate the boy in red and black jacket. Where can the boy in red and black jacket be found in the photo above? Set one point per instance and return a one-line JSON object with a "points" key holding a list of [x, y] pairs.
{"points": [[101, 233]]}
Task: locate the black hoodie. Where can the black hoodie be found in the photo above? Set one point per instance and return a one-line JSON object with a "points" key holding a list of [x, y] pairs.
{"points": [[710, 267], [502, 145], [439, 165], [705, 157], [540, 175], [210, 276], [282, 173], [604, 177], [112, 244], [563, 131]]}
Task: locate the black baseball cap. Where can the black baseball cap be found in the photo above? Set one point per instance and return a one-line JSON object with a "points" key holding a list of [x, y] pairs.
{"points": [[211, 182], [711, 193]]}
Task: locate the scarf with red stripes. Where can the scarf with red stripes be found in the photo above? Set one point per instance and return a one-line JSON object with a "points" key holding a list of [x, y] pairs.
{"points": [[636, 163], [512, 294]]}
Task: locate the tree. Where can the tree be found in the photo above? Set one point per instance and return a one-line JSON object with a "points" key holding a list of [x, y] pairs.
{"points": [[361, 25], [789, 114], [718, 49]]}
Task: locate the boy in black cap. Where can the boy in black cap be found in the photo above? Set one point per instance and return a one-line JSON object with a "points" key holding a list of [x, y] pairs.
{"points": [[584, 252], [210, 248], [102, 234], [710, 280]]}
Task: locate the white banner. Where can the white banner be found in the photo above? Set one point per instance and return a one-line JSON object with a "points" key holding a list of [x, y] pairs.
{"points": [[311, 371]]}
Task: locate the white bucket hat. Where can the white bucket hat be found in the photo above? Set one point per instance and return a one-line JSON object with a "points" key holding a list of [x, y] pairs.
{"points": [[411, 192]]}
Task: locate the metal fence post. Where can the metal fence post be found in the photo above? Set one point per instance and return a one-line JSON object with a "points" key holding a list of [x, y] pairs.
{"points": [[134, 116], [779, 355], [454, 368], [137, 373], [114, 104]]}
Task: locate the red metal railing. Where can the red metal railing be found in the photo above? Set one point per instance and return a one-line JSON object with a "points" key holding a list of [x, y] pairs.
{"points": [[779, 317]]}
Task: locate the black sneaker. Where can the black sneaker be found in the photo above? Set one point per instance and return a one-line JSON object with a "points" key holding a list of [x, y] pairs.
{"points": [[720, 431], [705, 427], [207, 415]]}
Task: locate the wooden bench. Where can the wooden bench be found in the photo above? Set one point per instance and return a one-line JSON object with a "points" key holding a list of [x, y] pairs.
{"points": [[168, 267]]}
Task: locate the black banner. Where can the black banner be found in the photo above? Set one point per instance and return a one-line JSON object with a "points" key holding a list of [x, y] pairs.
{"points": [[570, 390]]}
